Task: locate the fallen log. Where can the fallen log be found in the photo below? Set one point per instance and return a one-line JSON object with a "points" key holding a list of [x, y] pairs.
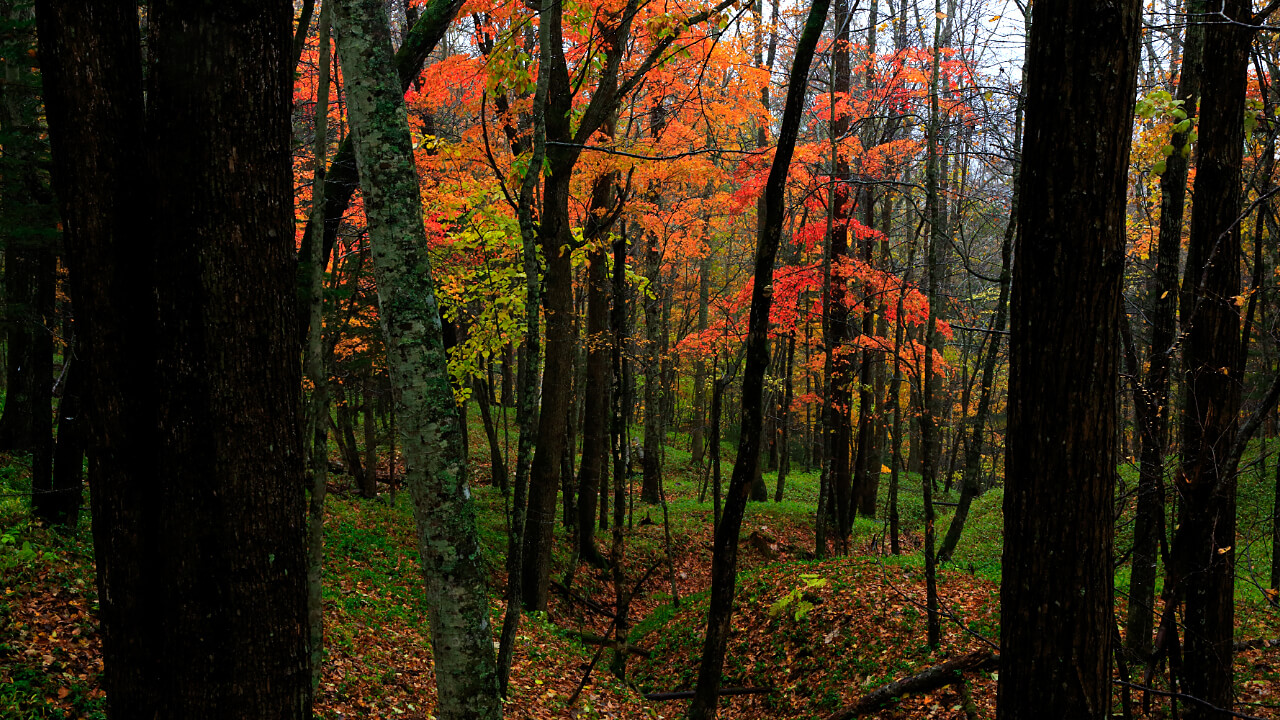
{"points": [[687, 694], [1255, 644], [933, 678]]}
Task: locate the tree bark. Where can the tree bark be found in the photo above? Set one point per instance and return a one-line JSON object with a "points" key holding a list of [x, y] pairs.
{"points": [[595, 436], [1152, 401], [316, 429], [1056, 593], [1203, 562], [435, 464], [654, 394], [784, 460], [724, 563], [196, 474], [698, 434], [837, 451], [69, 453]]}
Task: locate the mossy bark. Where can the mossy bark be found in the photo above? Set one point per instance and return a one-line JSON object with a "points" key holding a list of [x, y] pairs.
{"points": [[435, 467]]}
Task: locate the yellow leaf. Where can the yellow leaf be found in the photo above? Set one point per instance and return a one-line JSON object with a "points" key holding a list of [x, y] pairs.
{"points": [[1225, 550], [941, 15], [1164, 294]]}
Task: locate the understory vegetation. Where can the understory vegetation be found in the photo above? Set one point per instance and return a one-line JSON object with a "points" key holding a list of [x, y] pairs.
{"points": [[808, 636]]}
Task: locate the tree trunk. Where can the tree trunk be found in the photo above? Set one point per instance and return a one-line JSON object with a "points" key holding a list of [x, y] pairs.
{"points": [[346, 435], [698, 441], [1203, 562], [369, 480], [341, 181], [1056, 591], [837, 451], [68, 455], [316, 429], [724, 563], [197, 477], [1153, 399], [435, 466], [595, 437], [497, 463], [784, 462], [971, 485]]}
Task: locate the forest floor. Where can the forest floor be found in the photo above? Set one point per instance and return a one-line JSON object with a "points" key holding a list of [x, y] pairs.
{"points": [[816, 635]]}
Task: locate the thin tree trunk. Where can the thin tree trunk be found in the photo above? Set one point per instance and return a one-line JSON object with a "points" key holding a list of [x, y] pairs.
{"points": [[435, 466], [1152, 401], [73, 439], [698, 442], [369, 481], [784, 462], [497, 463], [725, 555], [595, 437], [929, 440], [971, 485], [837, 451], [318, 416]]}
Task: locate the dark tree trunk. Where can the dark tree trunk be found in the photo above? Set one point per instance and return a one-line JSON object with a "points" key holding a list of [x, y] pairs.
{"points": [[1056, 593], [653, 387], [369, 478], [508, 377], [838, 448], [557, 376], [595, 436], [197, 478], [866, 480], [724, 564], [698, 440], [1203, 562], [44, 506], [497, 462], [1152, 400], [346, 435], [784, 461], [68, 456]]}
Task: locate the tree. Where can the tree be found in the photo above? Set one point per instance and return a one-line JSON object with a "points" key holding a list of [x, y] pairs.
{"points": [[28, 233], [724, 563], [1202, 566], [1056, 594], [196, 477], [1151, 397], [430, 430]]}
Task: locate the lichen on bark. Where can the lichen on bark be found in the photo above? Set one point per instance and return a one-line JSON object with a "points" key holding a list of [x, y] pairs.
{"points": [[430, 431]]}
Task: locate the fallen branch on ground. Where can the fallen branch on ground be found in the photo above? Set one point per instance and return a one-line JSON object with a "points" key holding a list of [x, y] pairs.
{"points": [[932, 678], [1256, 644], [592, 639]]}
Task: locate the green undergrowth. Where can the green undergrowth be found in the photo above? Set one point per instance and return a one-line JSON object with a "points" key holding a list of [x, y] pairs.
{"points": [[49, 662]]}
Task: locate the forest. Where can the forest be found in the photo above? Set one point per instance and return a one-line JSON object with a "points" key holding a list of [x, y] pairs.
{"points": [[467, 359]]}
